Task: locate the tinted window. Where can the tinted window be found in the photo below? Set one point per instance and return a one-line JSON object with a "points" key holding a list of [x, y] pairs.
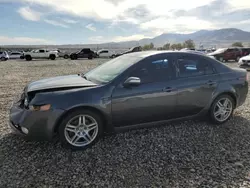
{"points": [[189, 66], [104, 51], [41, 51], [86, 50], [155, 70], [15, 53]]}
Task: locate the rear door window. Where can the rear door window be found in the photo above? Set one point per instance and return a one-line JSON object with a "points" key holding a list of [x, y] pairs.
{"points": [[191, 66]]}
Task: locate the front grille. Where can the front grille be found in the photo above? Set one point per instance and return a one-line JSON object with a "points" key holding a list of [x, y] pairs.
{"points": [[246, 61]]}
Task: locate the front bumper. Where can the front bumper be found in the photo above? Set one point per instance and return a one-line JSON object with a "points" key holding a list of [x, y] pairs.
{"points": [[245, 66], [40, 124]]}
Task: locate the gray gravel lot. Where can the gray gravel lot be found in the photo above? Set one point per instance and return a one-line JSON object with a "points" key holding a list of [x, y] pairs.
{"points": [[184, 154]]}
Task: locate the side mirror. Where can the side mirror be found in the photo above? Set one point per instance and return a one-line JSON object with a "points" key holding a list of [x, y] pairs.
{"points": [[132, 81]]}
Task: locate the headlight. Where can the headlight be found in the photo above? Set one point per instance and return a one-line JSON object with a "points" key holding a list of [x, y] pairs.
{"points": [[40, 107], [240, 61]]}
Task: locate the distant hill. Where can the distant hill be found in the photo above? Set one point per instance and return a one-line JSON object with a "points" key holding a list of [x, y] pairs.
{"points": [[208, 38]]}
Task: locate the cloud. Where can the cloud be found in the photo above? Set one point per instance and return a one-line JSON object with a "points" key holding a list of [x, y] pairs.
{"points": [[97, 39], [56, 23], [5, 40], [29, 14], [69, 21], [90, 27], [183, 24], [129, 38]]}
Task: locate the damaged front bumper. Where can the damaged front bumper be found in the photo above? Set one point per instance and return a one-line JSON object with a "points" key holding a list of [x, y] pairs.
{"points": [[35, 125]]}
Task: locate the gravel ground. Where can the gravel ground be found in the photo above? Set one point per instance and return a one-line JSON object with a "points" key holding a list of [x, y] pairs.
{"points": [[184, 154]]}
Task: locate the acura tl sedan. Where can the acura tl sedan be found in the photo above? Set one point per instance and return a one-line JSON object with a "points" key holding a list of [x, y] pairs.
{"points": [[132, 91]]}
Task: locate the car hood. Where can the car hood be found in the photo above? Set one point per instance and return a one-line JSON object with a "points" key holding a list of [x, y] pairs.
{"points": [[60, 82], [246, 57]]}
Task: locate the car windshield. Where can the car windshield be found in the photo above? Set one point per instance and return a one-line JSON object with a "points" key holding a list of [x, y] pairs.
{"points": [[111, 69], [220, 50]]}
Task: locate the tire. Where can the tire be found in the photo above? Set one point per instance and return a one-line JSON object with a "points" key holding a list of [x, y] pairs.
{"points": [[3, 59], [79, 134], [74, 57], [52, 57], [221, 59], [214, 114], [90, 57], [28, 58], [66, 56]]}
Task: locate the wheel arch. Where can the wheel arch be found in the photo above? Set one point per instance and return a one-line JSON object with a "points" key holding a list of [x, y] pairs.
{"points": [[90, 108], [230, 93]]}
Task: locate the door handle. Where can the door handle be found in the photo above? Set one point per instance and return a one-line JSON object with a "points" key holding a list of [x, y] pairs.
{"points": [[167, 89], [210, 83]]}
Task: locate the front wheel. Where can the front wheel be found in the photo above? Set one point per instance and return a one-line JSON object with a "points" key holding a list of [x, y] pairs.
{"points": [[222, 109], [66, 56], [80, 129], [3, 59], [28, 58], [221, 59]]}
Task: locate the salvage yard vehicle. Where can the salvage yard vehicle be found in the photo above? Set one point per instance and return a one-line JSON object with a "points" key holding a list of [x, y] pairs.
{"points": [[226, 54], [132, 91], [15, 55], [4, 56], [244, 62], [40, 54], [131, 50], [84, 53], [104, 53]]}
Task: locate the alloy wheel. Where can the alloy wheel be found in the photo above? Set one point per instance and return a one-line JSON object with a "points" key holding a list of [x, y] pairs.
{"points": [[81, 130], [223, 109]]}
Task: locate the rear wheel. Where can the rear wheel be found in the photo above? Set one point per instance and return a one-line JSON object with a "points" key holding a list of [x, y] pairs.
{"points": [[80, 129], [52, 57], [90, 56], [222, 109], [66, 56]]}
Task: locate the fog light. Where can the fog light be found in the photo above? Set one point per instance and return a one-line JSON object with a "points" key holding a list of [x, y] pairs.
{"points": [[25, 131]]}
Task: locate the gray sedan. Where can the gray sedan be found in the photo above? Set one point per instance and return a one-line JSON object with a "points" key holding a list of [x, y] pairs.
{"points": [[134, 90]]}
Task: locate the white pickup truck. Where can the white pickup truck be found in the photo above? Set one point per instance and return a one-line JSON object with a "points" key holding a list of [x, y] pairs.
{"points": [[40, 54]]}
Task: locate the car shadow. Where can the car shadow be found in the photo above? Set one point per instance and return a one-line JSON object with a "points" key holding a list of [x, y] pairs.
{"points": [[189, 154]]}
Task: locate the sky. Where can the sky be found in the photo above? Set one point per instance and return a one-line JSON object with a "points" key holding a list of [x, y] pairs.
{"points": [[100, 21]]}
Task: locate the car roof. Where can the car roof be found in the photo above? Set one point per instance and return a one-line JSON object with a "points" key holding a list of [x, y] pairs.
{"points": [[145, 54]]}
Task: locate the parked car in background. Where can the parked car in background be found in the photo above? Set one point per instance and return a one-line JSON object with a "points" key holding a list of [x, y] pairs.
{"points": [[15, 55], [105, 53], [132, 91], [4, 56], [245, 51], [40, 54], [84, 53], [226, 54], [244, 62], [62, 54], [131, 50]]}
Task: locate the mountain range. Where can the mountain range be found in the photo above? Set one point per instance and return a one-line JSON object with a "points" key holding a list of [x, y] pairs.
{"points": [[207, 38]]}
